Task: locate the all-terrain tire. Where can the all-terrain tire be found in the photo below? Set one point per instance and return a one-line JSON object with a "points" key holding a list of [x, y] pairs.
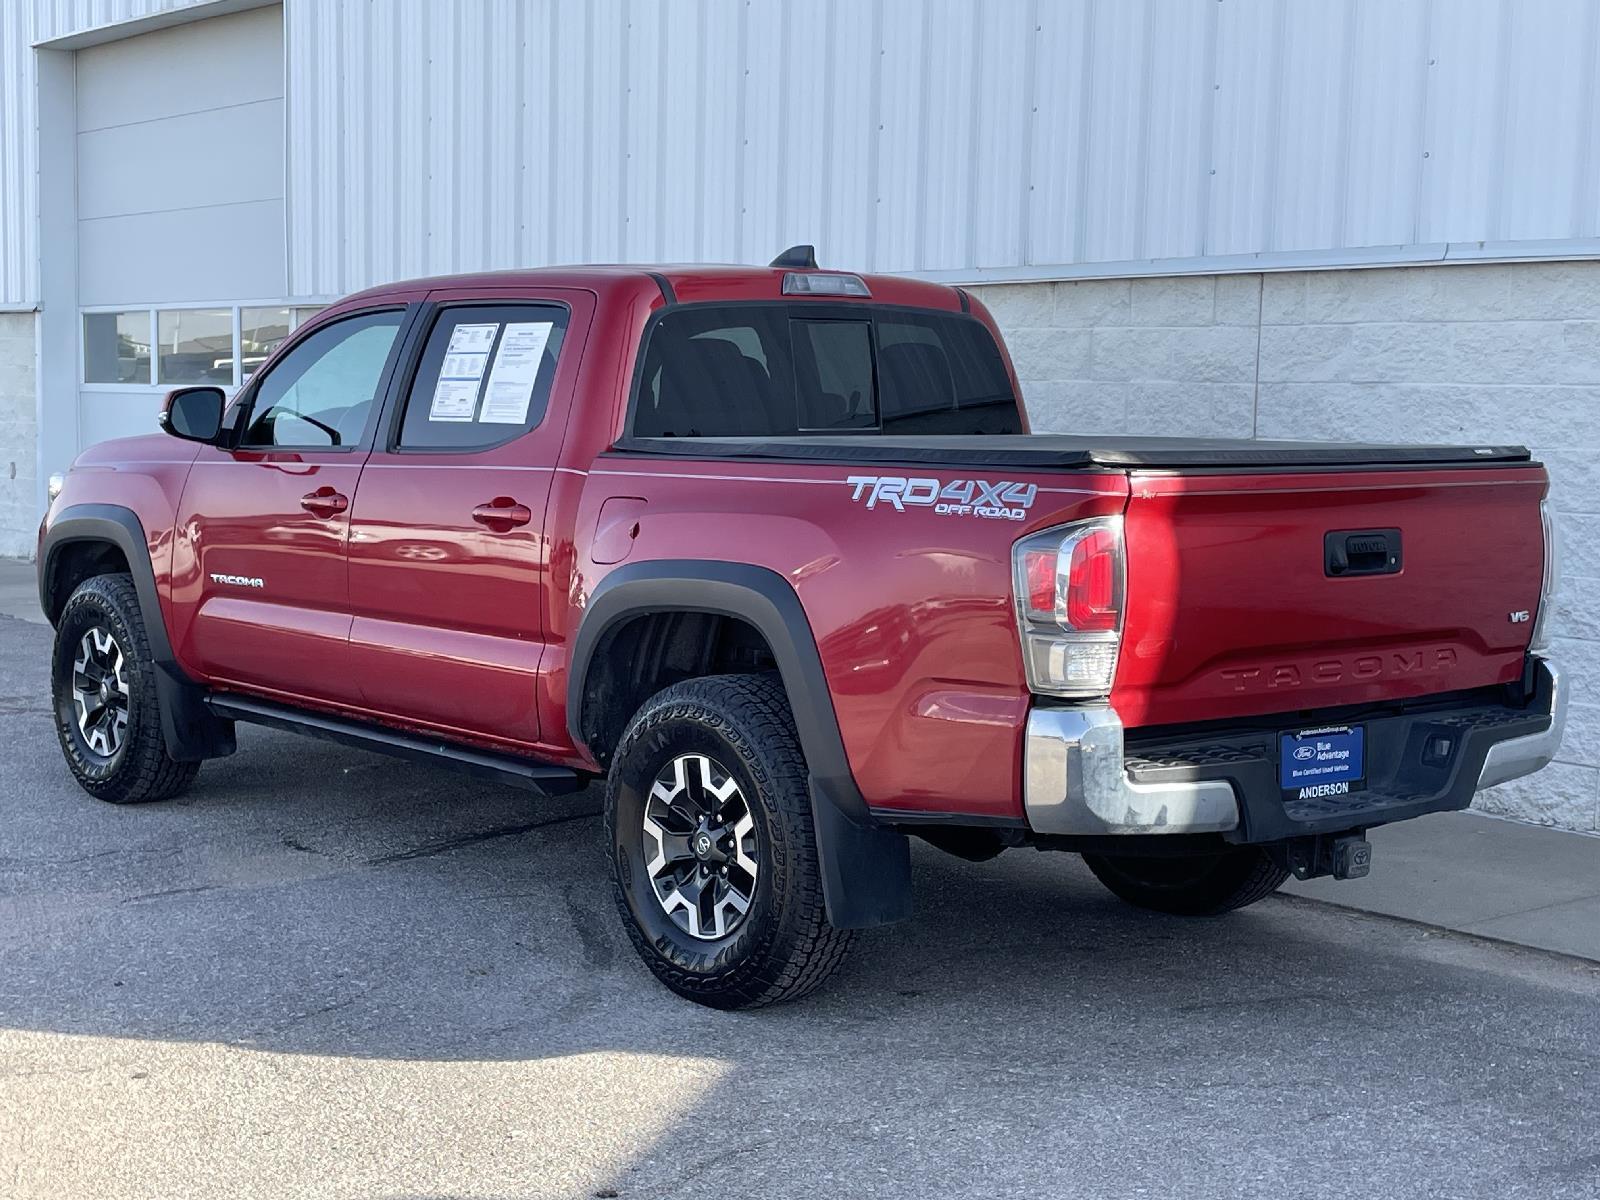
{"points": [[1193, 886], [781, 947], [139, 769]]}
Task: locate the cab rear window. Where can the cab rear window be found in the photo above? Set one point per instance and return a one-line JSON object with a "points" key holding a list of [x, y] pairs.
{"points": [[775, 370]]}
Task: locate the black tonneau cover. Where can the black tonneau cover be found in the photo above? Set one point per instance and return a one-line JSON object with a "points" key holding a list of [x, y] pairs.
{"points": [[1063, 450]]}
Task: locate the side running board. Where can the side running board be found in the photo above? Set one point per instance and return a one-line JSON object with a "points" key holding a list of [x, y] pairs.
{"points": [[486, 764]]}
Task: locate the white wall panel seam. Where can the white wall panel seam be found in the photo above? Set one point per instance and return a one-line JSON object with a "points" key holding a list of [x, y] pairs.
{"points": [[1080, 193], [1500, 179], [1341, 196], [1206, 133]]}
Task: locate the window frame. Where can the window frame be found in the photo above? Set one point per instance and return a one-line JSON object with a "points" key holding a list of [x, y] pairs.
{"points": [[803, 310], [426, 322], [150, 385], [242, 409]]}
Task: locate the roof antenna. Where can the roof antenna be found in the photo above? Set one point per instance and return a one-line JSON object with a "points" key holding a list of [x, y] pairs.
{"points": [[797, 256]]}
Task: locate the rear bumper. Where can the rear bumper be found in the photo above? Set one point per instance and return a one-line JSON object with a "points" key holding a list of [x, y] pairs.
{"points": [[1081, 778]]}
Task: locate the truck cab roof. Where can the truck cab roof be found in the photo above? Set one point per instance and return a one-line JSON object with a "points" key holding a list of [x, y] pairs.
{"points": [[686, 283]]}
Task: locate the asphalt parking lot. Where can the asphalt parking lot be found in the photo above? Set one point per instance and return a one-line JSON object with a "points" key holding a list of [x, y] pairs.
{"points": [[327, 974]]}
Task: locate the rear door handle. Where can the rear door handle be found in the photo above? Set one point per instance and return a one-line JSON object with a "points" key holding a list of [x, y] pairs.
{"points": [[502, 514], [324, 502]]}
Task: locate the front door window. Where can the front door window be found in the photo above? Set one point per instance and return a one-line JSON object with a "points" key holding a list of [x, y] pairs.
{"points": [[323, 393]]}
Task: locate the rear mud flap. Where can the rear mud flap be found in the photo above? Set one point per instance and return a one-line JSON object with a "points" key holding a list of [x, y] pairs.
{"points": [[866, 869]]}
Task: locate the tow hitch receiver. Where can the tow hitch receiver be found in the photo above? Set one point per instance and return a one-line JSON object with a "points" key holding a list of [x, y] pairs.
{"points": [[1348, 856], [1352, 857]]}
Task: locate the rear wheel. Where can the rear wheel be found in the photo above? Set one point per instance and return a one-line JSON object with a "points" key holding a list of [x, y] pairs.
{"points": [[108, 718], [1193, 885], [714, 852]]}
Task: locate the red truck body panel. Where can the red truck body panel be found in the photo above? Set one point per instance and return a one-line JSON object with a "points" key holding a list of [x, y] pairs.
{"points": [[401, 610], [1230, 613], [911, 610]]}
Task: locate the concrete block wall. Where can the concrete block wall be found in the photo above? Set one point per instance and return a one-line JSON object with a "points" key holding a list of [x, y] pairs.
{"points": [[1491, 353], [19, 518]]}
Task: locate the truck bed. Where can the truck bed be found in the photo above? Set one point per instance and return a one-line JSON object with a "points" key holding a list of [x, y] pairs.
{"points": [[1053, 450]]}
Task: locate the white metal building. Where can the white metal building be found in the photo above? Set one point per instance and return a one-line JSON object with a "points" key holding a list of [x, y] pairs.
{"points": [[1341, 219]]}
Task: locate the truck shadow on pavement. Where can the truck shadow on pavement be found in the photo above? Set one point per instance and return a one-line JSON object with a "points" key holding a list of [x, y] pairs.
{"points": [[308, 900]]}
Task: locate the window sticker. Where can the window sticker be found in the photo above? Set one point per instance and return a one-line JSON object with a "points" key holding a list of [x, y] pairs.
{"points": [[453, 400], [473, 339], [455, 395], [515, 371]]}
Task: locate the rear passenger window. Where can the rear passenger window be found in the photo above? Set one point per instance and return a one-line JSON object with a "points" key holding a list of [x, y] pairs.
{"points": [[932, 365], [776, 370], [484, 377]]}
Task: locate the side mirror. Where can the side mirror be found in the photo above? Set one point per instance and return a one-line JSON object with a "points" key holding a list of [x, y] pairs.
{"points": [[194, 413]]}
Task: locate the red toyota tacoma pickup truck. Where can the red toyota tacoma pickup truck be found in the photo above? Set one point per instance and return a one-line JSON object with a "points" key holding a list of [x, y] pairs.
{"points": [[772, 551]]}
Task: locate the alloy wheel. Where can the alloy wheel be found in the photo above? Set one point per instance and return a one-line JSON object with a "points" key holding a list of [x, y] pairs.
{"points": [[700, 846], [100, 692]]}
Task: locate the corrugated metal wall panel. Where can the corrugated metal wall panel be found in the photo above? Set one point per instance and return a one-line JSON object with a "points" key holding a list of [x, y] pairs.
{"points": [[1467, 98], [19, 252], [1314, 75], [1180, 99], [1002, 126], [1547, 125], [1012, 137], [1385, 102], [1247, 130], [1063, 76]]}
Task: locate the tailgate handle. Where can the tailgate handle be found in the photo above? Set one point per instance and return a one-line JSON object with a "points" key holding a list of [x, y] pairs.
{"points": [[1347, 552]]}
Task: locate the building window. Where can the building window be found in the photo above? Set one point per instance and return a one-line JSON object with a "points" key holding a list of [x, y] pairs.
{"points": [[261, 332], [219, 344], [116, 347], [194, 345]]}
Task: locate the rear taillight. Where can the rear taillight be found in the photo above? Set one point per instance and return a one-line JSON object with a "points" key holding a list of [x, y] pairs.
{"points": [[1540, 642], [1069, 586]]}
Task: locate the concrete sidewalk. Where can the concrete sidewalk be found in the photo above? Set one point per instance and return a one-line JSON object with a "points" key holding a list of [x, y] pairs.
{"points": [[1460, 871], [1480, 875], [19, 592]]}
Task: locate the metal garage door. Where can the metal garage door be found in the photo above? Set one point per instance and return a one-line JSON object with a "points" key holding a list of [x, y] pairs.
{"points": [[180, 213]]}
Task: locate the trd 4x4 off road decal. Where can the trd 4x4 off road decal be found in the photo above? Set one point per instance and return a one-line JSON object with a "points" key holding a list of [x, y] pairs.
{"points": [[1003, 501]]}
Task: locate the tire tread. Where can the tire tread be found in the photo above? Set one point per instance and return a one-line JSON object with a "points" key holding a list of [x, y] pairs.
{"points": [[147, 773], [804, 956], [1244, 876]]}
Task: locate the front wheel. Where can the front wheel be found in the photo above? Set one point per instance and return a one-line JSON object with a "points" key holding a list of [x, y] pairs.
{"points": [[714, 853], [108, 716], [1199, 885]]}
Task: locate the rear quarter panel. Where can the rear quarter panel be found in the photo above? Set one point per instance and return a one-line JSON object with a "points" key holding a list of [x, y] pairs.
{"points": [[911, 610]]}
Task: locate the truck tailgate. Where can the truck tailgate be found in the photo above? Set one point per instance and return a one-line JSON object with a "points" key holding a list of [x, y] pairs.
{"points": [[1259, 593]]}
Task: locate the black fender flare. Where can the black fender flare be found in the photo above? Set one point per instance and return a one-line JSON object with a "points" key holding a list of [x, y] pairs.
{"points": [[866, 868], [191, 730]]}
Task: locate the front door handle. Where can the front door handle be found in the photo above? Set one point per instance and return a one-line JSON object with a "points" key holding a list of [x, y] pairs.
{"points": [[324, 502], [502, 514]]}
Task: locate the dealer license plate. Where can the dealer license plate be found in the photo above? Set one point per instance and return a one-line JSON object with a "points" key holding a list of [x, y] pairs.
{"points": [[1328, 761]]}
